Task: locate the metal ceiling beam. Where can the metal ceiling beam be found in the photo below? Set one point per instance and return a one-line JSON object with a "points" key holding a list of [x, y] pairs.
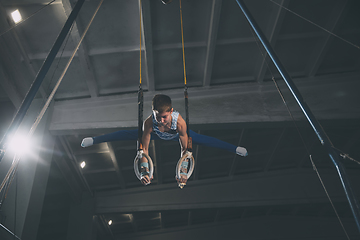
{"points": [[124, 49], [266, 189], [159, 47], [211, 43], [103, 113], [339, 12], [264, 227], [82, 52]]}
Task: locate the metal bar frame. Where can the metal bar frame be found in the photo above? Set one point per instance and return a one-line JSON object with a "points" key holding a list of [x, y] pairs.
{"points": [[8, 231], [325, 141]]}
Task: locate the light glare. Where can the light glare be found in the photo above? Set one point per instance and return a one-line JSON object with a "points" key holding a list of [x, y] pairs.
{"points": [[82, 164], [16, 16], [110, 222], [19, 144]]}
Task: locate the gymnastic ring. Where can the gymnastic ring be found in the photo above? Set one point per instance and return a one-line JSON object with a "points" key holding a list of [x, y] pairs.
{"points": [[136, 164], [187, 155]]}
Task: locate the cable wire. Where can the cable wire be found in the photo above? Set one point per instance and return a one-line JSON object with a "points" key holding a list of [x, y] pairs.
{"points": [[186, 96], [317, 25], [182, 42], [140, 91], [140, 37]]}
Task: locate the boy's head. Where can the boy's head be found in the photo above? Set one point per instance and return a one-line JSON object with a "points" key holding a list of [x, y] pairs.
{"points": [[161, 103]]}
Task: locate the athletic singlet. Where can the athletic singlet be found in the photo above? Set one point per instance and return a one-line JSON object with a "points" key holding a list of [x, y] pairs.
{"points": [[172, 132]]}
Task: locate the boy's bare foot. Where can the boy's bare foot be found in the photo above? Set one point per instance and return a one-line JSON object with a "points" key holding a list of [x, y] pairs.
{"points": [[86, 142], [241, 151]]}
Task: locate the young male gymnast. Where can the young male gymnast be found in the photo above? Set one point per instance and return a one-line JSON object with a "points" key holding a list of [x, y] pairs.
{"points": [[167, 124]]}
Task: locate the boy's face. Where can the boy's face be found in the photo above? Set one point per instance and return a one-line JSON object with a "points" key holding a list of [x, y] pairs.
{"points": [[163, 118]]}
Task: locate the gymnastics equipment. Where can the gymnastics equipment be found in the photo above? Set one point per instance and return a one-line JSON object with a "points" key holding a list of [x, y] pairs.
{"points": [[325, 141], [140, 152]]}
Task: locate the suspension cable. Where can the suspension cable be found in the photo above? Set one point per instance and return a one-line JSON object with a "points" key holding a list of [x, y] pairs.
{"points": [[140, 91], [140, 34], [185, 82], [182, 42], [317, 25]]}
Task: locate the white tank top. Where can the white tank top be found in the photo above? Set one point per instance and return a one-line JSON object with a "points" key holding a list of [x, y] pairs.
{"points": [[172, 133]]}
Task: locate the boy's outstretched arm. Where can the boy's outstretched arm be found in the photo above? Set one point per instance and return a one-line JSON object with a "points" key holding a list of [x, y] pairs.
{"points": [[183, 137], [147, 129]]}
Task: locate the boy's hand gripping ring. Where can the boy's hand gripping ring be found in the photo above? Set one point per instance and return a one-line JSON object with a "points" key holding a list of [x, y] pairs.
{"points": [[140, 154], [189, 157]]}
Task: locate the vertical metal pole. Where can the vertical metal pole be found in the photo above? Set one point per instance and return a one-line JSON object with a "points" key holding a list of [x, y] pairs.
{"points": [[21, 112], [325, 141]]}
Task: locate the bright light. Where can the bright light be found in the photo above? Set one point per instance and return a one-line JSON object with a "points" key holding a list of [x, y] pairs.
{"points": [[82, 164], [19, 144], [110, 222], [16, 16]]}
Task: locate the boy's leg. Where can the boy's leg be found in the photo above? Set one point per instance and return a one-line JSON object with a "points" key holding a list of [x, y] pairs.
{"points": [[121, 135], [217, 143], [115, 136]]}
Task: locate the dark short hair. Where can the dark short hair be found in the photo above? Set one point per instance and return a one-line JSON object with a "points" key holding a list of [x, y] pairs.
{"points": [[161, 103]]}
